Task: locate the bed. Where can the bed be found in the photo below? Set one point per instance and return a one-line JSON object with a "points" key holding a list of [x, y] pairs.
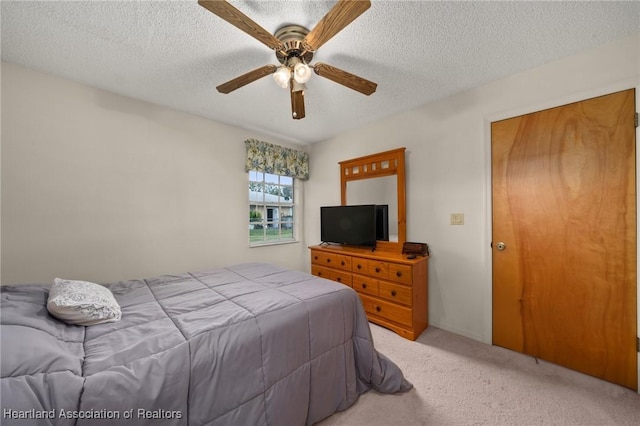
{"points": [[249, 344]]}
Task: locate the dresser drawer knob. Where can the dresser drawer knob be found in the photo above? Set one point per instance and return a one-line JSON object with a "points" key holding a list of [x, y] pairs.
{"points": [[364, 286], [339, 279], [378, 308], [398, 274], [315, 257], [393, 293], [377, 269], [342, 263], [319, 274], [328, 260], [359, 266]]}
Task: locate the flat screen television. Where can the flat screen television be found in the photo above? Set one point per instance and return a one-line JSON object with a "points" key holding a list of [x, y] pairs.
{"points": [[382, 222], [349, 225]]}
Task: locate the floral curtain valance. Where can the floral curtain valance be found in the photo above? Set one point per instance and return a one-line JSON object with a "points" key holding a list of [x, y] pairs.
{"points": [[269, 158]]}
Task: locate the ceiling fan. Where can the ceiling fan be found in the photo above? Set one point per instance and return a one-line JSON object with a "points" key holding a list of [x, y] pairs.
{"points": [[294, 46]]}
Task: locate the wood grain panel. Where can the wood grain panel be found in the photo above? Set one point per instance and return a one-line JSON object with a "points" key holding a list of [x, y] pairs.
{"points": [[245, 79], [378, 269], [241, 21], [386, 310], [332, 274], [400, 273], [395, 293], [340, 15], [564, 199], [366, 285], [297, 104], [343, 262], [345, 78]]}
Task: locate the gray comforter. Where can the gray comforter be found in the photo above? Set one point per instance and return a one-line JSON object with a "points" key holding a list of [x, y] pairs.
{"points": [[251, 344]]}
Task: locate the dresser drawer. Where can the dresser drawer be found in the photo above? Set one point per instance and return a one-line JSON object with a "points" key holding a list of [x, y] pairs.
{"points": [[342, 277], [331, 260], [400, 273], [387, 310], [395, 293], [343, 262], [359, 265], [366, 285], [377, 269], [331, 274], [324, 259], [321, 272]]}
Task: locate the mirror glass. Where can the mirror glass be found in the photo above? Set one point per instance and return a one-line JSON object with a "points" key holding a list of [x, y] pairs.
{"points": [[379, 190]]}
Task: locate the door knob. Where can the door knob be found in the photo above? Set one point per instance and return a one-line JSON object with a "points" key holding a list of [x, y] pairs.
{"points": [[501, 246]]}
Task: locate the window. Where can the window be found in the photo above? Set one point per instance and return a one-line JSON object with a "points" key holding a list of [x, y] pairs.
{"points": [[272, 171], [271, 208]]}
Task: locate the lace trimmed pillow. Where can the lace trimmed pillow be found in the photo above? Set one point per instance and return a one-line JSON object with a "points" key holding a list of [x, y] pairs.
{"points": [[82, 303]]}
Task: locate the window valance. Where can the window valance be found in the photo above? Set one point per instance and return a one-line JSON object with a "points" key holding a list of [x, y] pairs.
{"points": [[269, 158]]}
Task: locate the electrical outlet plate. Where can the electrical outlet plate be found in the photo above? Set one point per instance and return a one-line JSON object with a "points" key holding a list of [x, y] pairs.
{"points": [[457, 218]]}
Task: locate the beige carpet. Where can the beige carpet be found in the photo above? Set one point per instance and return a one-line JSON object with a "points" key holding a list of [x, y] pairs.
{"points": [[459, 381]]}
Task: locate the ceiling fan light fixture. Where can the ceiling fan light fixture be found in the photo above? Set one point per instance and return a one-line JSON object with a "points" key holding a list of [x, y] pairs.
{"points": [[282, 76], [295, 46], [301, 72]]}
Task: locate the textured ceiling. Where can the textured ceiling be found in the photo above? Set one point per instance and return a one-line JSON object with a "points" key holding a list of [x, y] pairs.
{"points": [[174, 53]]}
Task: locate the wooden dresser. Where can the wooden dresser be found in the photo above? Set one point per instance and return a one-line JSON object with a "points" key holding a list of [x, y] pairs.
{"points": [[393, 289]]}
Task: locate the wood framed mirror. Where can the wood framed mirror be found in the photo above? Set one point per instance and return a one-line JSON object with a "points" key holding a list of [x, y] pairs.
{"points": [[378, 179]]}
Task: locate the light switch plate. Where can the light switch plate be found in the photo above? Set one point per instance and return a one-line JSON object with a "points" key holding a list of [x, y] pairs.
{"points": [[457, 218]]}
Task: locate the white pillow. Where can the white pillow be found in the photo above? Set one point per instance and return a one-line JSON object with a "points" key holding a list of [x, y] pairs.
{"points": [[82, 303]]}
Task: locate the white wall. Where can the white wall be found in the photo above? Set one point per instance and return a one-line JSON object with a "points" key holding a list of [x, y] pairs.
{"points": [[101, 187], [448, 170]]}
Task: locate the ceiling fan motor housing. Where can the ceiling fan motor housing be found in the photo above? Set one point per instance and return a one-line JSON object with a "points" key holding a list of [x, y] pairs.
{"points": [[291, 37]]}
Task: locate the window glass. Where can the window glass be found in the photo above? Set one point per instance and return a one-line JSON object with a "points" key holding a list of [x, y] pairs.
{"points": [[271, 208]]}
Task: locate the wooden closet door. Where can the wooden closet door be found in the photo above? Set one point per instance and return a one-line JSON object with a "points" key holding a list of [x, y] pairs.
{"points": [[564, 205]]}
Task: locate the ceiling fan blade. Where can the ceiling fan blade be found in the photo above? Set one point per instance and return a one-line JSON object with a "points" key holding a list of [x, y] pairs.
{"points": [[347, 79], [297, 104], [238, 19], [340, 15], [247, 78]]}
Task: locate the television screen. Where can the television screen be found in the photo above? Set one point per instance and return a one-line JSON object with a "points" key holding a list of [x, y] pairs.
{"points": [[382, 222], [350, 225]]}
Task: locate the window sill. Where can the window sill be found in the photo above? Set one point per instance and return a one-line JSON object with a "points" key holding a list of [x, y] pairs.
{"points": [[273, 243]]}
